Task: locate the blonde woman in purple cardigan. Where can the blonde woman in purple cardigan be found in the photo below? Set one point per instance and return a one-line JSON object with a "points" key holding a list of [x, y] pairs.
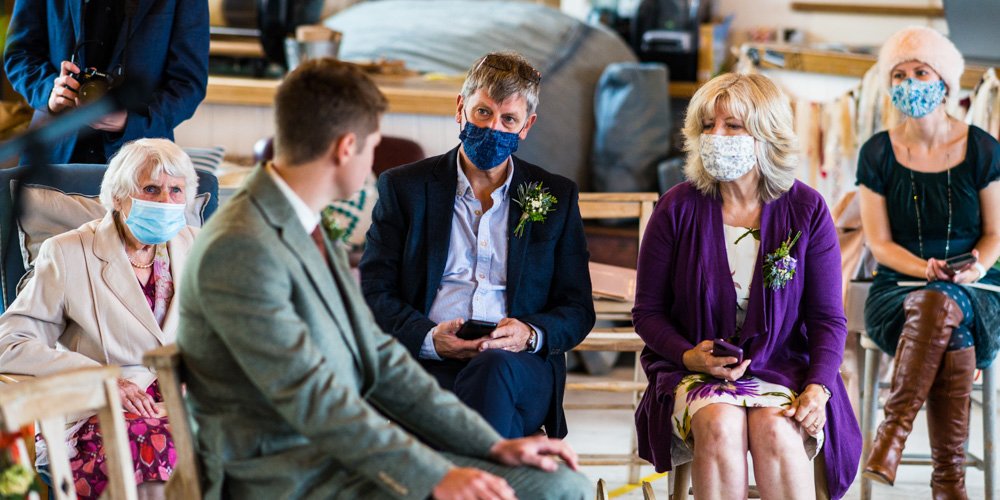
{"points": [[744, 254]]}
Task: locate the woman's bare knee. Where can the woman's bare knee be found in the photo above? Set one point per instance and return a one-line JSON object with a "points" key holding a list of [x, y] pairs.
{"points": [[719, 424]]}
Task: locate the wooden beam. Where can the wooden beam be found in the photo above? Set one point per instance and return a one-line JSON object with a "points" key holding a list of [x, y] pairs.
{"points": [[868, 9], [797, 58]]}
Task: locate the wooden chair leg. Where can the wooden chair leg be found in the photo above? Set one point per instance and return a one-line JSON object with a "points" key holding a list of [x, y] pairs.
{"points": [[647, 491], [602, 490], [682, 476]]}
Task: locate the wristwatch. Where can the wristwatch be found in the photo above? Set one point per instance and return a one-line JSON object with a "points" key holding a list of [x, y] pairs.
{"points": [[829, 395], [532, 340]]}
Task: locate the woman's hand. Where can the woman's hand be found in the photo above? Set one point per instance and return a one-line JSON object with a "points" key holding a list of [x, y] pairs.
{"points": [[937, 270], [700, 359], [809, 409], [135, 399], [968, 274]]}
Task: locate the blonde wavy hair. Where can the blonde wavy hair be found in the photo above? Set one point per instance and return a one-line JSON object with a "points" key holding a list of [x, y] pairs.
{"points": [[767, 116]]}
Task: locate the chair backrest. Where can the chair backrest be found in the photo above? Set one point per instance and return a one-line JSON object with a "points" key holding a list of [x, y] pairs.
{"points": [[50, 400], [619, 206], [79, 180], [185, 482]]}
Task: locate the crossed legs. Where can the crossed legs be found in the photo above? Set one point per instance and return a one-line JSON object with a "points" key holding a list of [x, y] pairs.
{"points": [[723, 434]]}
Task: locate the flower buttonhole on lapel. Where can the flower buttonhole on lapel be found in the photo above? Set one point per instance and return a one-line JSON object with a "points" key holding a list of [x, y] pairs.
{"points": [[536, 202], [779, 266]]}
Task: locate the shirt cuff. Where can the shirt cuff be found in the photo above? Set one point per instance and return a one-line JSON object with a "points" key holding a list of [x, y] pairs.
{"points": [[427, 350], [541, 338]]}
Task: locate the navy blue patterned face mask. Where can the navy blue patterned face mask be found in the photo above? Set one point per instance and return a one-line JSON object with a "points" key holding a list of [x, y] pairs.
{"points": [[485, 147], [916, 98]]}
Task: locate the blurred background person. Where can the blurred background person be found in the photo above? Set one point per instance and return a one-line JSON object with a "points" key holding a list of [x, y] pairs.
{"points": [[159, 45], [103, 294]]}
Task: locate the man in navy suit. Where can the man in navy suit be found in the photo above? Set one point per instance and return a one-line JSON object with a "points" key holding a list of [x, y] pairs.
{"points": [[443, 249], [162, 44]]}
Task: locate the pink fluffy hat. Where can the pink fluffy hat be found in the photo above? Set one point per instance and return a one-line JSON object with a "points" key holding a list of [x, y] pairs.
{"points": [[918, 43]]}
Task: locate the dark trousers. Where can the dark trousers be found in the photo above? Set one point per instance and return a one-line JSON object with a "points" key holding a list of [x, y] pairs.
{"points": [[511, 390]]}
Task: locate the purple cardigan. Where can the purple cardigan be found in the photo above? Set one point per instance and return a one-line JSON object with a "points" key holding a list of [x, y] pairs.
{"points": [[794, 335]]}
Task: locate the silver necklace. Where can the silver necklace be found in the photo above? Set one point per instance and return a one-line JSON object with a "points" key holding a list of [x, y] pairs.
{"points": [[916, 208]]}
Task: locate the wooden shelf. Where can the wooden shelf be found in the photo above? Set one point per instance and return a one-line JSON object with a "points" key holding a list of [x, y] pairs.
{"points": [[809, 60], [406, 94], [868, 9]]}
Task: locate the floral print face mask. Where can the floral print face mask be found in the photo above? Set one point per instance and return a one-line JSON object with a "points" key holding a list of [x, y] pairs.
{"points": [[916, 98], [727, 157]]}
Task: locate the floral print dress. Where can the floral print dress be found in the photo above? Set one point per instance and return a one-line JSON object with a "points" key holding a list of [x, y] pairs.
{"points": [[699, 390], [153, 455]]}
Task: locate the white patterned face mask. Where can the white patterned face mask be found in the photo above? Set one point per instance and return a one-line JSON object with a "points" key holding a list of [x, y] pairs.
{"points": [[727, 157]]}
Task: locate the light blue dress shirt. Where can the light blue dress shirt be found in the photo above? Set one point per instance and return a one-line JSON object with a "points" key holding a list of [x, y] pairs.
{"points": [[474, 283]]}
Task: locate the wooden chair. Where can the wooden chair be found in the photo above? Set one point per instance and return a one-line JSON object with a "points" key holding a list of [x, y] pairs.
{"points": [[618, 339], [50, 400], [185, 482]]}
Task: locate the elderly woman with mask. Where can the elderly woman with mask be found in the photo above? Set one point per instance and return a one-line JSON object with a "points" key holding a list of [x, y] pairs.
{"points": [[745, 254], [929, 193], [103, 294]]}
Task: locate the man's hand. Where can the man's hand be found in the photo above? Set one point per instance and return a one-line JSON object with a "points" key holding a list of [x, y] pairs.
{"points": [[448, 346], [510, 335], [534, 451], [64, 88], [700, 359], [115, 122], [467, 483]]}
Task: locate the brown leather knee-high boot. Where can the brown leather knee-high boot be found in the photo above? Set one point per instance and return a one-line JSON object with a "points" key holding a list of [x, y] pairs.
{"points": [[930, 318], [948, 423]]}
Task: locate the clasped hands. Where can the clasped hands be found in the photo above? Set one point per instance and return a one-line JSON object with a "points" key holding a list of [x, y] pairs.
{"points": [[64, 96], [808, 409], [510, 335], [535, 451], [136, 400]]}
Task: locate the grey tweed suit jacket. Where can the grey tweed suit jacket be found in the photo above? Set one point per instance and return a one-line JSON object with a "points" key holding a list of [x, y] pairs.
{"points": [[295, 391]]}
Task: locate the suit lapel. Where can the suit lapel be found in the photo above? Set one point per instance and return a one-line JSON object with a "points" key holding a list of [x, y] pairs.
{"points": [[125, 33], [116, 271], [441, 189], [280, 214], [516, 245]]}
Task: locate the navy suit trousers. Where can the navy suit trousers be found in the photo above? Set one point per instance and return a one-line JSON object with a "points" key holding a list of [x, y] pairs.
{"points": [[511, 390]]}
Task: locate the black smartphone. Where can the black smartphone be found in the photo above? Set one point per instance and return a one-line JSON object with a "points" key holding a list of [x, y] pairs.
{"points": [[723, 349], [959, 263], [474, 329]]}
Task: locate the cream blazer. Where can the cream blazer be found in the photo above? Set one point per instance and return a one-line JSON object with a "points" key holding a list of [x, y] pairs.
{"points": [[84, 307]]}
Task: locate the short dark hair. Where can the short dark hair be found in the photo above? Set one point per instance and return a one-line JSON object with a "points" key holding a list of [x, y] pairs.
{"points": [[320, 101]]}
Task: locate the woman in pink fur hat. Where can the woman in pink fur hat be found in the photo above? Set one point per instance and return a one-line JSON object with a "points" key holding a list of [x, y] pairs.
{"points": [[929, 194]]}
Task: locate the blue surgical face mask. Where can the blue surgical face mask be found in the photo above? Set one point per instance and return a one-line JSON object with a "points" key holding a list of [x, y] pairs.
{"points": [[485, 147], [153, 223], [916, 98]]}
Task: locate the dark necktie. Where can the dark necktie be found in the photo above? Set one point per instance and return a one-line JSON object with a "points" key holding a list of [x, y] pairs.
{"points": [[317, 236]]}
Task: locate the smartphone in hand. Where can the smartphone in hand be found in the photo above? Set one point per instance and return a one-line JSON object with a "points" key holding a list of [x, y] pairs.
{"points": [[475, 329], [959, 263], [723, 349]]}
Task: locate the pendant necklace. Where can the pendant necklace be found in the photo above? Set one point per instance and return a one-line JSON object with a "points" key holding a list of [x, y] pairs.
{"points": [[916, 205]]}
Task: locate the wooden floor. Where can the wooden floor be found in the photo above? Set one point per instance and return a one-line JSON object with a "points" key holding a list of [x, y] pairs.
{"points": [[604, 431]]}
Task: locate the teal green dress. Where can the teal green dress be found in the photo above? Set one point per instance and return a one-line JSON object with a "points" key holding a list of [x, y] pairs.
{"points": [[879, 171]]}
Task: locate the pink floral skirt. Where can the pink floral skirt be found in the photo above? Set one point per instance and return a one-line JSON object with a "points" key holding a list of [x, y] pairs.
{"points": [[153, 455]]}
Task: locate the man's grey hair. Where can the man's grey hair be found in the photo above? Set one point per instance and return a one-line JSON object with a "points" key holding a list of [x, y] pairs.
{"points": [[121, 180], [503, 75]]}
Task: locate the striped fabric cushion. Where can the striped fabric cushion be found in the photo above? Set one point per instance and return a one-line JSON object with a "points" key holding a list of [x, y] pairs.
{"points": [[207, 159]]}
